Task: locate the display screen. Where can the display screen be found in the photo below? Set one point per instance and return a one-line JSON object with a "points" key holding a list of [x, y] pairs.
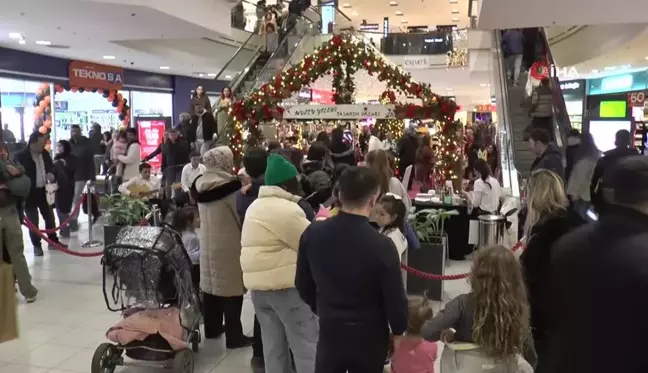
{"points": [[613, 109], [604, 131]]}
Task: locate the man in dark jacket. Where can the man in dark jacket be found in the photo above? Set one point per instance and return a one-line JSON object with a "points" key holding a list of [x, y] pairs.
{"points": [[548, 156], [175, 155], [83, 151], [356, 304], [606, 164], [40, 169], [572, 153], [407, 154], [605, 258]]}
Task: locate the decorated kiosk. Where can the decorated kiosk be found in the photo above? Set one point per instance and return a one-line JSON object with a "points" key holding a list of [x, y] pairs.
{"points": [[341, 57]]}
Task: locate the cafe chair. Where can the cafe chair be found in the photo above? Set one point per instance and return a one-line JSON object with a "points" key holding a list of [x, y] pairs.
{"points": [[407, 177], [510, 208]]}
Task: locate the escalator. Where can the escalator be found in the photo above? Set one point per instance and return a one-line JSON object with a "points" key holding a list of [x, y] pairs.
{"points": [[515, 104], [263, 64]]}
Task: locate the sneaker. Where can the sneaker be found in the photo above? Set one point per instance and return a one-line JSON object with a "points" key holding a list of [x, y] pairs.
{"points": [[31, 299], [38, 251], [258, 364]]}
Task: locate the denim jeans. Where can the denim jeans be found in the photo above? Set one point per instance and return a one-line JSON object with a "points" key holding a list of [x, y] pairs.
{"points": [[287, 323]]}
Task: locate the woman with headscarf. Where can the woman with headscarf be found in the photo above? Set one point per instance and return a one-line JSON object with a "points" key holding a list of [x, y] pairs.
{"points": [[199, 98], [221, 278], [223, 117]]}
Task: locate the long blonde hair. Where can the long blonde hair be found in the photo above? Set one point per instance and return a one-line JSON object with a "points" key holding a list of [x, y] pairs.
{"points": [[501, 321], [545, 196], [379, 160]]}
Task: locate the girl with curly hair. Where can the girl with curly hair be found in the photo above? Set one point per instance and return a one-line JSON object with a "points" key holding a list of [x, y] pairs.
{"points": [[490, 325]]}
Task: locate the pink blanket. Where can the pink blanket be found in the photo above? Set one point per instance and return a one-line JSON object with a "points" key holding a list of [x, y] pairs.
{"points": [[140, 325]]}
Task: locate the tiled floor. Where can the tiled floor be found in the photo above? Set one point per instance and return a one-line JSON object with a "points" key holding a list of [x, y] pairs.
{"points": [[61, 330]]}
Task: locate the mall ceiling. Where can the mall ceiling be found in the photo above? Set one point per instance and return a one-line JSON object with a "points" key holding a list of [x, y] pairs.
{"points": [[124, 33], [403, 13]]}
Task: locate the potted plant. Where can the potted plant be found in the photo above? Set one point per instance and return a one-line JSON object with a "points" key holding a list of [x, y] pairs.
{"points": [[122, 211], [429, 227]]}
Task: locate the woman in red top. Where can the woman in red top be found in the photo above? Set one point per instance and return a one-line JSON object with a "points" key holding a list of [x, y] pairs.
{"points": [[424, 164]]}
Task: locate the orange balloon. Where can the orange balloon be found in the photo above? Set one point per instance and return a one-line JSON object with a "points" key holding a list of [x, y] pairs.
{"points": [[43, 104], [74, 89], [42, 129]]}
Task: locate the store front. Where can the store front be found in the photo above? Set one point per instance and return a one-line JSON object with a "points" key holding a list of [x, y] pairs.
{"points": [[574, 93]]}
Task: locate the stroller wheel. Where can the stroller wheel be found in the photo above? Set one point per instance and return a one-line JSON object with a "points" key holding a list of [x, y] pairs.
{"points": [[183, 361], [103, 360]]}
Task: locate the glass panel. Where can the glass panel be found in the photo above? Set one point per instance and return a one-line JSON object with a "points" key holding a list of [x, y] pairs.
{"points": [[152, 103], [17, 99], [84, 109]]}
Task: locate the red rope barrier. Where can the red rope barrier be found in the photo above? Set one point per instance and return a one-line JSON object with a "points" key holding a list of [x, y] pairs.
{"points": [[461, 276], [66, 222], [57, 245]]}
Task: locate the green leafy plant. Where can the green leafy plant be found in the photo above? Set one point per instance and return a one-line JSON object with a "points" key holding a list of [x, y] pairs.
{"points": [[125, 210], [428, 223]]}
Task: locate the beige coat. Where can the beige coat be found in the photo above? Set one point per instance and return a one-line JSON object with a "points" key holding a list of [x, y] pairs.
{"points": [[273, 226], [220, 235]]}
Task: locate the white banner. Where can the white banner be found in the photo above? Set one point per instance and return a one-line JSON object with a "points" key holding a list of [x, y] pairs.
{"points": [[338, 111]]}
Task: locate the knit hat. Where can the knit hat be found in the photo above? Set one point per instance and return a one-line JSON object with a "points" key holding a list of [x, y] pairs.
{"points": [[279, 170]]}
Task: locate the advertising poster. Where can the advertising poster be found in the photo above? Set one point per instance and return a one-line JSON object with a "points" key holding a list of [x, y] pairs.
{"points": [[150, 132]]}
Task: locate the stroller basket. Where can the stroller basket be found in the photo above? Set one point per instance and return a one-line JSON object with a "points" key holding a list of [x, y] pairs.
{"points": [[147, 267]]}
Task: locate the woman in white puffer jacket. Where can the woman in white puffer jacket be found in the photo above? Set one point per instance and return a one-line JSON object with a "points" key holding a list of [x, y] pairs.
{"points": [[272, 228]]}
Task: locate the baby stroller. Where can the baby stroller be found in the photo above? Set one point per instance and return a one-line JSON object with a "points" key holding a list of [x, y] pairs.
{"points": [[147, 277]]}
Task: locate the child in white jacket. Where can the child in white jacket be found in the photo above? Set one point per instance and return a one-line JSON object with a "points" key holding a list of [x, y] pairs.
{"points": [[390, 215]]}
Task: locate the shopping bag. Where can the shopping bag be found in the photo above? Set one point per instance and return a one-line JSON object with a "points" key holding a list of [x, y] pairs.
{"points": [[50, 193], [8, 312]]}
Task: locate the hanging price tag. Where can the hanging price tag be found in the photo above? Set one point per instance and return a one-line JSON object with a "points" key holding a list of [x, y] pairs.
{"points": [[636, 99]]}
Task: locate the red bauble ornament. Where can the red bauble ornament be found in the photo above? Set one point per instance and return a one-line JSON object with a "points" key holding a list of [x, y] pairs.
{"points": [[337, 40]]}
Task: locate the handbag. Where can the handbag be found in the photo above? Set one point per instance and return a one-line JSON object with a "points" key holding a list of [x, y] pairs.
{"points": [[8, 311], [50, 193]]}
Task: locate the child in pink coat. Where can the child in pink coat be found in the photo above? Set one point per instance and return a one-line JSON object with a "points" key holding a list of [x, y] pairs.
{"points": [[412, 353]]}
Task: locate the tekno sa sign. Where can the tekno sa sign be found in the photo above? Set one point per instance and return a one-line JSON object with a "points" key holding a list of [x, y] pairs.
{"points": [[91, 75]]}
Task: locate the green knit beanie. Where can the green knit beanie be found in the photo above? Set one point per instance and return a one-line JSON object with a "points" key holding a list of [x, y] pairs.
{"points": [[279, 170]]}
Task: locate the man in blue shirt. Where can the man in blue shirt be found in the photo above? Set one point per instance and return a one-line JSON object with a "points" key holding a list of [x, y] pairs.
{"points": [[513, 45]]}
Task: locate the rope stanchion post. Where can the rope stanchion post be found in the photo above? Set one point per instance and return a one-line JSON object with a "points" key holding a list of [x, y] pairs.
{"points": [[90, 243]]}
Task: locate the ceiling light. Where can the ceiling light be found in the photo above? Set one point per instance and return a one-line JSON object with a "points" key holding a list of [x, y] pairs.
{"points": [[201, 75], [646, 57], [454, 1], [43, 42], [164, 67], [346, 5], [609, 68], [15, 35], [211, 74], [354, 13], [228, 77], [399, 13], [108, 57], [595, 71], [455, 19], [404, 21], [455, 11], [393, 3], [484, 85], [22, 42]]}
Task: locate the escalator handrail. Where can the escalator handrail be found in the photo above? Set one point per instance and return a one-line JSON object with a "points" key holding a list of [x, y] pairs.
{"points": [[559, 105], [506, 116], [246, 70], [279, 46], [240, 48]]}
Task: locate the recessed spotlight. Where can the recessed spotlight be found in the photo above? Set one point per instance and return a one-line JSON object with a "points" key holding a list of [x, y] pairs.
{"points": [[646, 57], [211, 74], [228, 77], [399, 13], [454, 1], [164, 67], [484, 85], [346, 5], [393, 3], [354, 13], [455, 19], [43, 42], [22, 42], [609, 68], [15, 35], [108, 57], [201, 75], [404, 21], [455, 11], [595, 71]]}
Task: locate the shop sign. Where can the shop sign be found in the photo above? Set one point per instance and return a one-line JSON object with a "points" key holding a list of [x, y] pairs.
{"points": [[150, 134], [338, 111], [370, 27], [486, 108], [91, 75], [574, 88], [636, 99], [416, 62]]}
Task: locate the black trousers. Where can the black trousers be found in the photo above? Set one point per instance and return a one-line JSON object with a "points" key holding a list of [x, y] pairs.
{"points": [[351, 347], [217, 309], [35, 203], [257, 347]]}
